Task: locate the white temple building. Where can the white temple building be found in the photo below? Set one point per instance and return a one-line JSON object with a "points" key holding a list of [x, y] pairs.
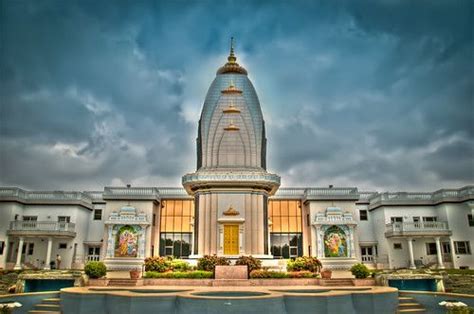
{"points": [[231, 206]]}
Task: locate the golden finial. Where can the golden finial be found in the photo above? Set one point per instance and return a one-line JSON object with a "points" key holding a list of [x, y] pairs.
{"points": [[231, 212], [231, 58], [231, 127], [231, 109]]}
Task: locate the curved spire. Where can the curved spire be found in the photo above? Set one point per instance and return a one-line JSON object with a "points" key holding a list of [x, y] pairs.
{"points": [[231, 66]]}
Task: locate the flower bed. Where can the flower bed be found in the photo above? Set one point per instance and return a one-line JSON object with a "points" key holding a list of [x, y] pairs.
{"points": [[198, 274]]}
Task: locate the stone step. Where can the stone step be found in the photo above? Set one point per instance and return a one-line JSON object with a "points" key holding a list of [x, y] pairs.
{"points": [[409, 304], [125, 282], [405, 298], [47, 307], [52, 301], [420, 310], [43, 312], [336, 282]]}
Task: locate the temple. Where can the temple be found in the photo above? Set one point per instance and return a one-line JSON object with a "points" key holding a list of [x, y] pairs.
{"points": [[232, 206]]}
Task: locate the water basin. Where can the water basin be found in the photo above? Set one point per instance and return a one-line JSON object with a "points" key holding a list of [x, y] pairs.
{"points": [[227, 294]]}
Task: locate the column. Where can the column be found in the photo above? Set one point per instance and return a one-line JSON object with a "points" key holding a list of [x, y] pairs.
{"points": [[438, 253], [410, 252], [48, 254], [374, 256], [18, 256]]}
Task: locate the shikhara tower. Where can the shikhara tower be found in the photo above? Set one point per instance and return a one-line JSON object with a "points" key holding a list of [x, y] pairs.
{"points": [[231, 185]]}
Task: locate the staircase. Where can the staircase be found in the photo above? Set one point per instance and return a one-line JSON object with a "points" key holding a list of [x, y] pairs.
{"points": [[337, 282], [123, 282], [408, 304], [47, 306]]}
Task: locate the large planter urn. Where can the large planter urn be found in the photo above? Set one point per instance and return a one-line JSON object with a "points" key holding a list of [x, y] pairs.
{"points": [[326, 274], [135, 274], [363, 282]]}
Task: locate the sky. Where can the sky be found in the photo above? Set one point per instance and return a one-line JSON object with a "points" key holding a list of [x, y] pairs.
{"points": [[370, 94]]}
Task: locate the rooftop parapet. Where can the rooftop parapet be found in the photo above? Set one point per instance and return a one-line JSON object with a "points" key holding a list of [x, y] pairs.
{"points": [[331, 194], [45, 197], [131, 193], [423, 198]]}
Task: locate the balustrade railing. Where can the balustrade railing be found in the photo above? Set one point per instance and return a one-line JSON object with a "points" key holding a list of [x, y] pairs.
{"points": [[52, 226], [417, 226]]}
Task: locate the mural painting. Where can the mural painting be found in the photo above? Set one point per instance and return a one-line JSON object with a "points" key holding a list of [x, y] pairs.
{"points": [[126, 244], [335, 244]]}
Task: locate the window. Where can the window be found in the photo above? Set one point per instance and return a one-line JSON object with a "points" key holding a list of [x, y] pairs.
{"points": [[308, 221], [431, 248], [154, 220], [416, 219], [2, 247], [286, 238], [286, 245], [367, 254], [445, 248], [93, 253], [462, 247], [64, 219], [396, 219], [97, 214], [175, 227], [470, 220], [31, 248], [62, 246], [30, 218], [397, 246], [430, 219], [363, 214]]}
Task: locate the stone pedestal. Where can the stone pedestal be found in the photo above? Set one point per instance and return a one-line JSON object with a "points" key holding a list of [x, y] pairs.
{"points": [[231, 272]]}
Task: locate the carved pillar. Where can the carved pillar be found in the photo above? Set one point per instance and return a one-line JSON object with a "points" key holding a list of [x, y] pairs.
{"points": [[18, 256], [438, 253], [352, 244], [48, 254], [110, 241], [410, 252]]}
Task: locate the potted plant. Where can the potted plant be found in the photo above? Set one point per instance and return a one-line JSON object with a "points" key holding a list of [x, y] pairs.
{"points": [[326, 274], [361, 274], [135, 273], [96, 272]]}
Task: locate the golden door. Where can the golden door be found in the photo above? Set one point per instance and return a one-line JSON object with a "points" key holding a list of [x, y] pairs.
{"points": [[231, 239]]}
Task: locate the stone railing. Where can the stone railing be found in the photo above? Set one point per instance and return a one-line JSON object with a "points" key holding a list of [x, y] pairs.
{"points": [[133, 193], [20, 227], [291, 193], [417, 228], [331, 193], [169, 192], [45, 197], [408, 198]]}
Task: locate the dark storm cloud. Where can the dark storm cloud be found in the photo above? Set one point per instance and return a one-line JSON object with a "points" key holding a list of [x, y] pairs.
{"points": [[375, 94]]}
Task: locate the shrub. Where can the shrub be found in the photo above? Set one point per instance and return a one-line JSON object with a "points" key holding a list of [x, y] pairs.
{"points": [[360, 271], [263, 274], [304, 263], [303, 274], [180, 265], [198, 274], [157, 263], [95, 269], [209, 262], [252, 263]]}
